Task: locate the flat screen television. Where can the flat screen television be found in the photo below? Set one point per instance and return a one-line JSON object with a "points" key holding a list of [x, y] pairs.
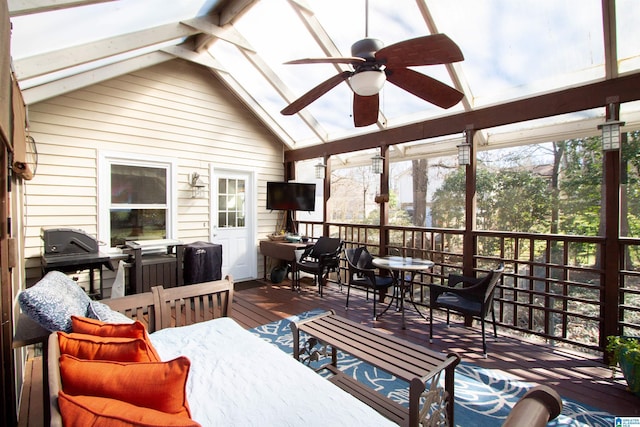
{"points": [[291, 196]]}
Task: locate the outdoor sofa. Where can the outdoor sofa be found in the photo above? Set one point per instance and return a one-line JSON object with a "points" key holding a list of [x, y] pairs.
{"points": [[233, 376]]}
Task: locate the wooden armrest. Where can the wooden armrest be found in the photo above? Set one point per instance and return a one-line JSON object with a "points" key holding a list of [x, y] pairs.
{"points": [[55, 381], [455, 279], [536, 408]]}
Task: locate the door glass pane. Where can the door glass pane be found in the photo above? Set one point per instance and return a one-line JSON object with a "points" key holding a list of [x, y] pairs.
{"points": [[231, 206]]}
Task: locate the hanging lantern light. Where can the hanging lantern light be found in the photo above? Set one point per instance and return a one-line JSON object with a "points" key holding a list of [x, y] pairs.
{"points": [[611, 130], [320, 168], [377, 163], [611, 134], [464, 151]]}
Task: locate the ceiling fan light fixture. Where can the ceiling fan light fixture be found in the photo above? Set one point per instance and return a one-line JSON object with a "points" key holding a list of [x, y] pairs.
{"points": [[367, 83]]}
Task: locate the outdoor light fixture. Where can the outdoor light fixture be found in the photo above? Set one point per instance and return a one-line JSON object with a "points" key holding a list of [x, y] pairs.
{"points": [[197, 186], [320, 168], [377, 162], [368, 83], [464, 151], [611, 134]]}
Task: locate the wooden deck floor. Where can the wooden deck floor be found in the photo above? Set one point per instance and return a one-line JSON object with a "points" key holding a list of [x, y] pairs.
{"points": [[574, 375]]}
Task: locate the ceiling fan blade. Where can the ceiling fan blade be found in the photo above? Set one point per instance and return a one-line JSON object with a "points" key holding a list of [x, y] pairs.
{"points": [[427, 50], [425, 87], [315, 93], [329, 60], [365, 109]]}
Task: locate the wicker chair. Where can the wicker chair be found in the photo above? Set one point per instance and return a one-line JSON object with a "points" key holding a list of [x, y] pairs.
{"points": [[320, 259], [363, 273], [474, 297]]}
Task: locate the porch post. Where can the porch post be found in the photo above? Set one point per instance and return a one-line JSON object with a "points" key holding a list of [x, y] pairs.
{"points": [[384, 205], [611, 252], [9, 399], [327, 194], [290, 174], [469, 241]]}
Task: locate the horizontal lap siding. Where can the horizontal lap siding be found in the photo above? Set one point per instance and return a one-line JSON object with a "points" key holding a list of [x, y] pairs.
{"points": [[176, 110]]}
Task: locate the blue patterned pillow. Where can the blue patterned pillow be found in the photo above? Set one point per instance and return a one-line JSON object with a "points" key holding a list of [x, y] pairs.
{"points": [[53, 300], [103, 312]]}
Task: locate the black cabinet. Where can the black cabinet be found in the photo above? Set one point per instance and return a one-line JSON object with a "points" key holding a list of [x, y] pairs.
{"points": [[202, 262]]}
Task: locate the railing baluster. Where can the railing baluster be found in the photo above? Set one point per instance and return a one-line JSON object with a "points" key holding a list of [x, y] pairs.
{"points": [[551, 283]]}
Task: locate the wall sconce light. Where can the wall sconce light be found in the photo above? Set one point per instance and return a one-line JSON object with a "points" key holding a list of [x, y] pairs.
{"points": [[320, 168], [611, 132], [197, 186], [377, 163], [464, 151]]}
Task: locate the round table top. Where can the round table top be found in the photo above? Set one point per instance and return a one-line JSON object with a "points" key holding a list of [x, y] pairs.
{"points": [[402, 263]]}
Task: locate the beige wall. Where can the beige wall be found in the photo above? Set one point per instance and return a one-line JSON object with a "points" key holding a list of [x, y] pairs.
{"points": [[176, 110]]}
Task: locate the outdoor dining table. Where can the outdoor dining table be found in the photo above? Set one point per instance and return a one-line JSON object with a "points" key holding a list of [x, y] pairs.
{"points": [[398, 266]]}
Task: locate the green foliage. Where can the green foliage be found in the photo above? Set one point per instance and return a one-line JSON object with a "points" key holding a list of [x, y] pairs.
{"points": [[616, 344], [625, 352], [448, 201], [522, 202], [516, 195], [581, 187], [512, 200]]}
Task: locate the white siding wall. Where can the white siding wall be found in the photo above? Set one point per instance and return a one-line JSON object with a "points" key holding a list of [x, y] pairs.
{"points": [[176, 110]]}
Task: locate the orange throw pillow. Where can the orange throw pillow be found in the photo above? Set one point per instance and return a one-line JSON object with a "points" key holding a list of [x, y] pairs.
{"points": [[92, 347], [86, 325], [155, 385], [82, 411]]}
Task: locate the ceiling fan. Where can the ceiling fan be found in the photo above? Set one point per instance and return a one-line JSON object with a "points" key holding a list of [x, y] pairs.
{"points": [[373, 64]]}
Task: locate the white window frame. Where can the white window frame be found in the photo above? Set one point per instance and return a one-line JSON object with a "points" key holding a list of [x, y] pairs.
{"points": [[105, 160]]}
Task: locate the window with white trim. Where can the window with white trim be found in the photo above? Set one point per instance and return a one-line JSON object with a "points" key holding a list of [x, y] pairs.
{"points": [[136, 200]]}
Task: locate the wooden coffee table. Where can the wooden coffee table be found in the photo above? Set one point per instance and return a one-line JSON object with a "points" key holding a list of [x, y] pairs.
{"points": [[410, 362]]}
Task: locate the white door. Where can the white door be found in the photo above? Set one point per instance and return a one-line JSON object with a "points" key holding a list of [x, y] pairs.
{"points": [[233, 217]]}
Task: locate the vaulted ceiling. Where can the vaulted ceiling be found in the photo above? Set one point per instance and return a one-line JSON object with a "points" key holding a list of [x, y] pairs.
{"points": [[533, 70]]}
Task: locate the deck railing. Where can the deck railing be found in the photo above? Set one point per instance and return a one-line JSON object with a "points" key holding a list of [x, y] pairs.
{"points": [[629, 291], [552, 288]]}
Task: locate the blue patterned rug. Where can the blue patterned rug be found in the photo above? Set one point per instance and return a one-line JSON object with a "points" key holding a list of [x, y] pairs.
{"points": [[484, 397]]}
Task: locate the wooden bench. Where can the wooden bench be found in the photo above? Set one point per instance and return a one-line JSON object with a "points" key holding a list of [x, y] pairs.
{"points": [[419, 366]]}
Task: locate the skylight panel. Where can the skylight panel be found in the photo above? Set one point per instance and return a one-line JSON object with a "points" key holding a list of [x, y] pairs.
{"points": [[258, 87], [59, 29], [510, 46], [628, 35]]}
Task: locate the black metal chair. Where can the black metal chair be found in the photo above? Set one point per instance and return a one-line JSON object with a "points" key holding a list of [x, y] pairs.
{"points": [[362, 273], [320, 259], [474, 297]]}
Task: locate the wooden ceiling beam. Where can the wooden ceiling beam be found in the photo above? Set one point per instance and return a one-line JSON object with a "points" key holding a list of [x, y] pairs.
{"points": [[580, 98], [232, 11]]}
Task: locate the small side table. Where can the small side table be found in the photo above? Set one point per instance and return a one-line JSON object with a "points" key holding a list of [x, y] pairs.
{"points": [[282, 250], [398, 266]]}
